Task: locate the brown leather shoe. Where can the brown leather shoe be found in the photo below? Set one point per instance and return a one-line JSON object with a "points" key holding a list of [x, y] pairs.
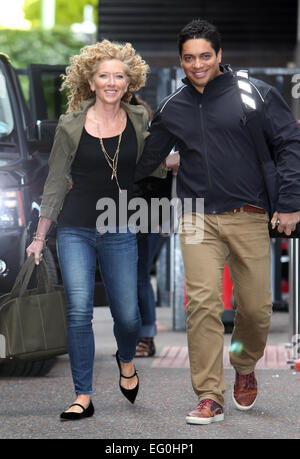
{"points": [[207, 411], [244, 391]]}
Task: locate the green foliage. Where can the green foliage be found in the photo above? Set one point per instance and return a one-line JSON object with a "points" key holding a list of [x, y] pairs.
{"points": [[38, 46], [32, 12], [67, 11]]}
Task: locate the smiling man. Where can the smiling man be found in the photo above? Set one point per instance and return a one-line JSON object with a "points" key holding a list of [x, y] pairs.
{"points": [[204, 118], [200, 61]]}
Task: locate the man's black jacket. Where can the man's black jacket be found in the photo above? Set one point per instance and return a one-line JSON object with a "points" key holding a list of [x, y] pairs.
{"points": [[218, 158]]}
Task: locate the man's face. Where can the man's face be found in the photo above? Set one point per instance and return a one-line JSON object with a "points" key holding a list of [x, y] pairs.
{"points": [[200, 62]]}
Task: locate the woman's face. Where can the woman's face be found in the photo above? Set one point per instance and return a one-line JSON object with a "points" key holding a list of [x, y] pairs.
{"points": [[110, 81]]}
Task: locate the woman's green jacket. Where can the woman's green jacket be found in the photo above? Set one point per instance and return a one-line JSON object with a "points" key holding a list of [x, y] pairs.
{"points": [[66, 140]]}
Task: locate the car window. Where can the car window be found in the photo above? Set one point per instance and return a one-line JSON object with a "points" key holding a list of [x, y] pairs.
{"points": [[46, 101], [49, 102], [8, 134], [55, 99], [6, 115]]}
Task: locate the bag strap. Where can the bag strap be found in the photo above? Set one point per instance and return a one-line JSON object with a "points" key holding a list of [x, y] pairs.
{"points": [[252, 105], [252, 122], [24, 275], [44, 282]]}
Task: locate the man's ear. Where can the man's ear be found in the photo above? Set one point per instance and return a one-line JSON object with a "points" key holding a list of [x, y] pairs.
{"points": [[219, 56]]}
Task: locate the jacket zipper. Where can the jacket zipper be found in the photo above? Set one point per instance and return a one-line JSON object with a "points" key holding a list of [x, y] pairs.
{"points": [[205, 152]]}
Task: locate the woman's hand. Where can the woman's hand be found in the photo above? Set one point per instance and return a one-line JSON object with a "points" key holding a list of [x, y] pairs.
{"points": [[39, 241], [35, 248]]}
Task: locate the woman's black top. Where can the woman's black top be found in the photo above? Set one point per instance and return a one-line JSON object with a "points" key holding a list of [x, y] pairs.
{"points": [[91, 176]]}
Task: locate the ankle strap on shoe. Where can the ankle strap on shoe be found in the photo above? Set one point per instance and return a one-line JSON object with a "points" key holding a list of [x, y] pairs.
{"points": [[129, 377], [78, 404]]}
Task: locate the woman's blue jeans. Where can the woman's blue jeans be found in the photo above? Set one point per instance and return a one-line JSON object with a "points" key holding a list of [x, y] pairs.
{"points": [[78, 250]]}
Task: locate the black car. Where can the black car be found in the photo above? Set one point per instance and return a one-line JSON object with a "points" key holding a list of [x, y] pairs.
{"points": [[30, 105]]}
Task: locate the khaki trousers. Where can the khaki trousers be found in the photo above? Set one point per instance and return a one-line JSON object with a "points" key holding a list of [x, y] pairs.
{"points": [[241, 239]]}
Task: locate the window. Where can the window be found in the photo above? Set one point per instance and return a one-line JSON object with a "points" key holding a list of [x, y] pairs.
{"points": [[55, 100], [47, 102], [6, 116], [8, 133]]}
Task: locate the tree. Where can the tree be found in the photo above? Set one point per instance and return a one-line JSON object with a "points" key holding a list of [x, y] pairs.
{"points": [[67, 12], [38, 46], [45, 46]]}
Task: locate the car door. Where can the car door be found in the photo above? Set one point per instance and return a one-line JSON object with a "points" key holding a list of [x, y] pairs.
{"points": [[46, 101], [13, 119]]}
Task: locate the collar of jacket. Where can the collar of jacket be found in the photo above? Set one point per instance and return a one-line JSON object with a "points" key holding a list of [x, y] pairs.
{"points": [[215, 83], [73, 123]]}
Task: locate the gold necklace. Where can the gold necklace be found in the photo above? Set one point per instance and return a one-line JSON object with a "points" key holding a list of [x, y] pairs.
{"points": [[112, 162]]}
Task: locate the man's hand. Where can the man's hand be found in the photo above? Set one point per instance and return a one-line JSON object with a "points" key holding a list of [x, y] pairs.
{"points": [[285, 222]]}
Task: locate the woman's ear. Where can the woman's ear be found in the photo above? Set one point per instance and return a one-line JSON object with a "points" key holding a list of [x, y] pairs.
{"points": [[92, 86]]}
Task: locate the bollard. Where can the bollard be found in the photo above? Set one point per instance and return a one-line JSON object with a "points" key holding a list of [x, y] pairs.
{"points": [[297, 365]]}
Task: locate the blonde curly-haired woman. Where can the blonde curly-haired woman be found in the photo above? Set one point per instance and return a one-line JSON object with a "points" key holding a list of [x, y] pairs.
{"points": [[96, 147]]}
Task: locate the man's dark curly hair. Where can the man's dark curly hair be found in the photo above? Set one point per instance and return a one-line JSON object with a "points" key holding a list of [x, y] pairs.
{"points": [[199, 28]]}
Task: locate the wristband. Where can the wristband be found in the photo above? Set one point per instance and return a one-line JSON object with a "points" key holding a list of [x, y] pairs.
{"points": [[36, 238]]}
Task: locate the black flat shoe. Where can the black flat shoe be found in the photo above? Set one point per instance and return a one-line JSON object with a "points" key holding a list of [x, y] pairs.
{"points": [[72, 416], [130, 394]]}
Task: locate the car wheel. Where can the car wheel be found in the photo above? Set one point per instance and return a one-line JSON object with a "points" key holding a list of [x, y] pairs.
{"points": [[16, 368]]}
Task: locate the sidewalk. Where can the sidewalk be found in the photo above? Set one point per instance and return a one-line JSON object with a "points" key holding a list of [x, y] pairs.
{"points": [[30, 407]]}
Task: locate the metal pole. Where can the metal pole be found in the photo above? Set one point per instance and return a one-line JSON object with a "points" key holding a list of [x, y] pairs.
{"points": [[272, 250], [163, 276], [278, 303], [176, 270], [294, 312], [48, 14], [177, 285], [163, 84], [295, 101], [298, 23], [171, 277]]}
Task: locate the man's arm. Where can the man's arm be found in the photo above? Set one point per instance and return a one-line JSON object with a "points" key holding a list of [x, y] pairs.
{"points": [[157, 147]]}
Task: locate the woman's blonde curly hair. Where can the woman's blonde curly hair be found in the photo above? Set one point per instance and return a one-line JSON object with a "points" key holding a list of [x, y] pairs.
{"points": [[84, 65]]}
